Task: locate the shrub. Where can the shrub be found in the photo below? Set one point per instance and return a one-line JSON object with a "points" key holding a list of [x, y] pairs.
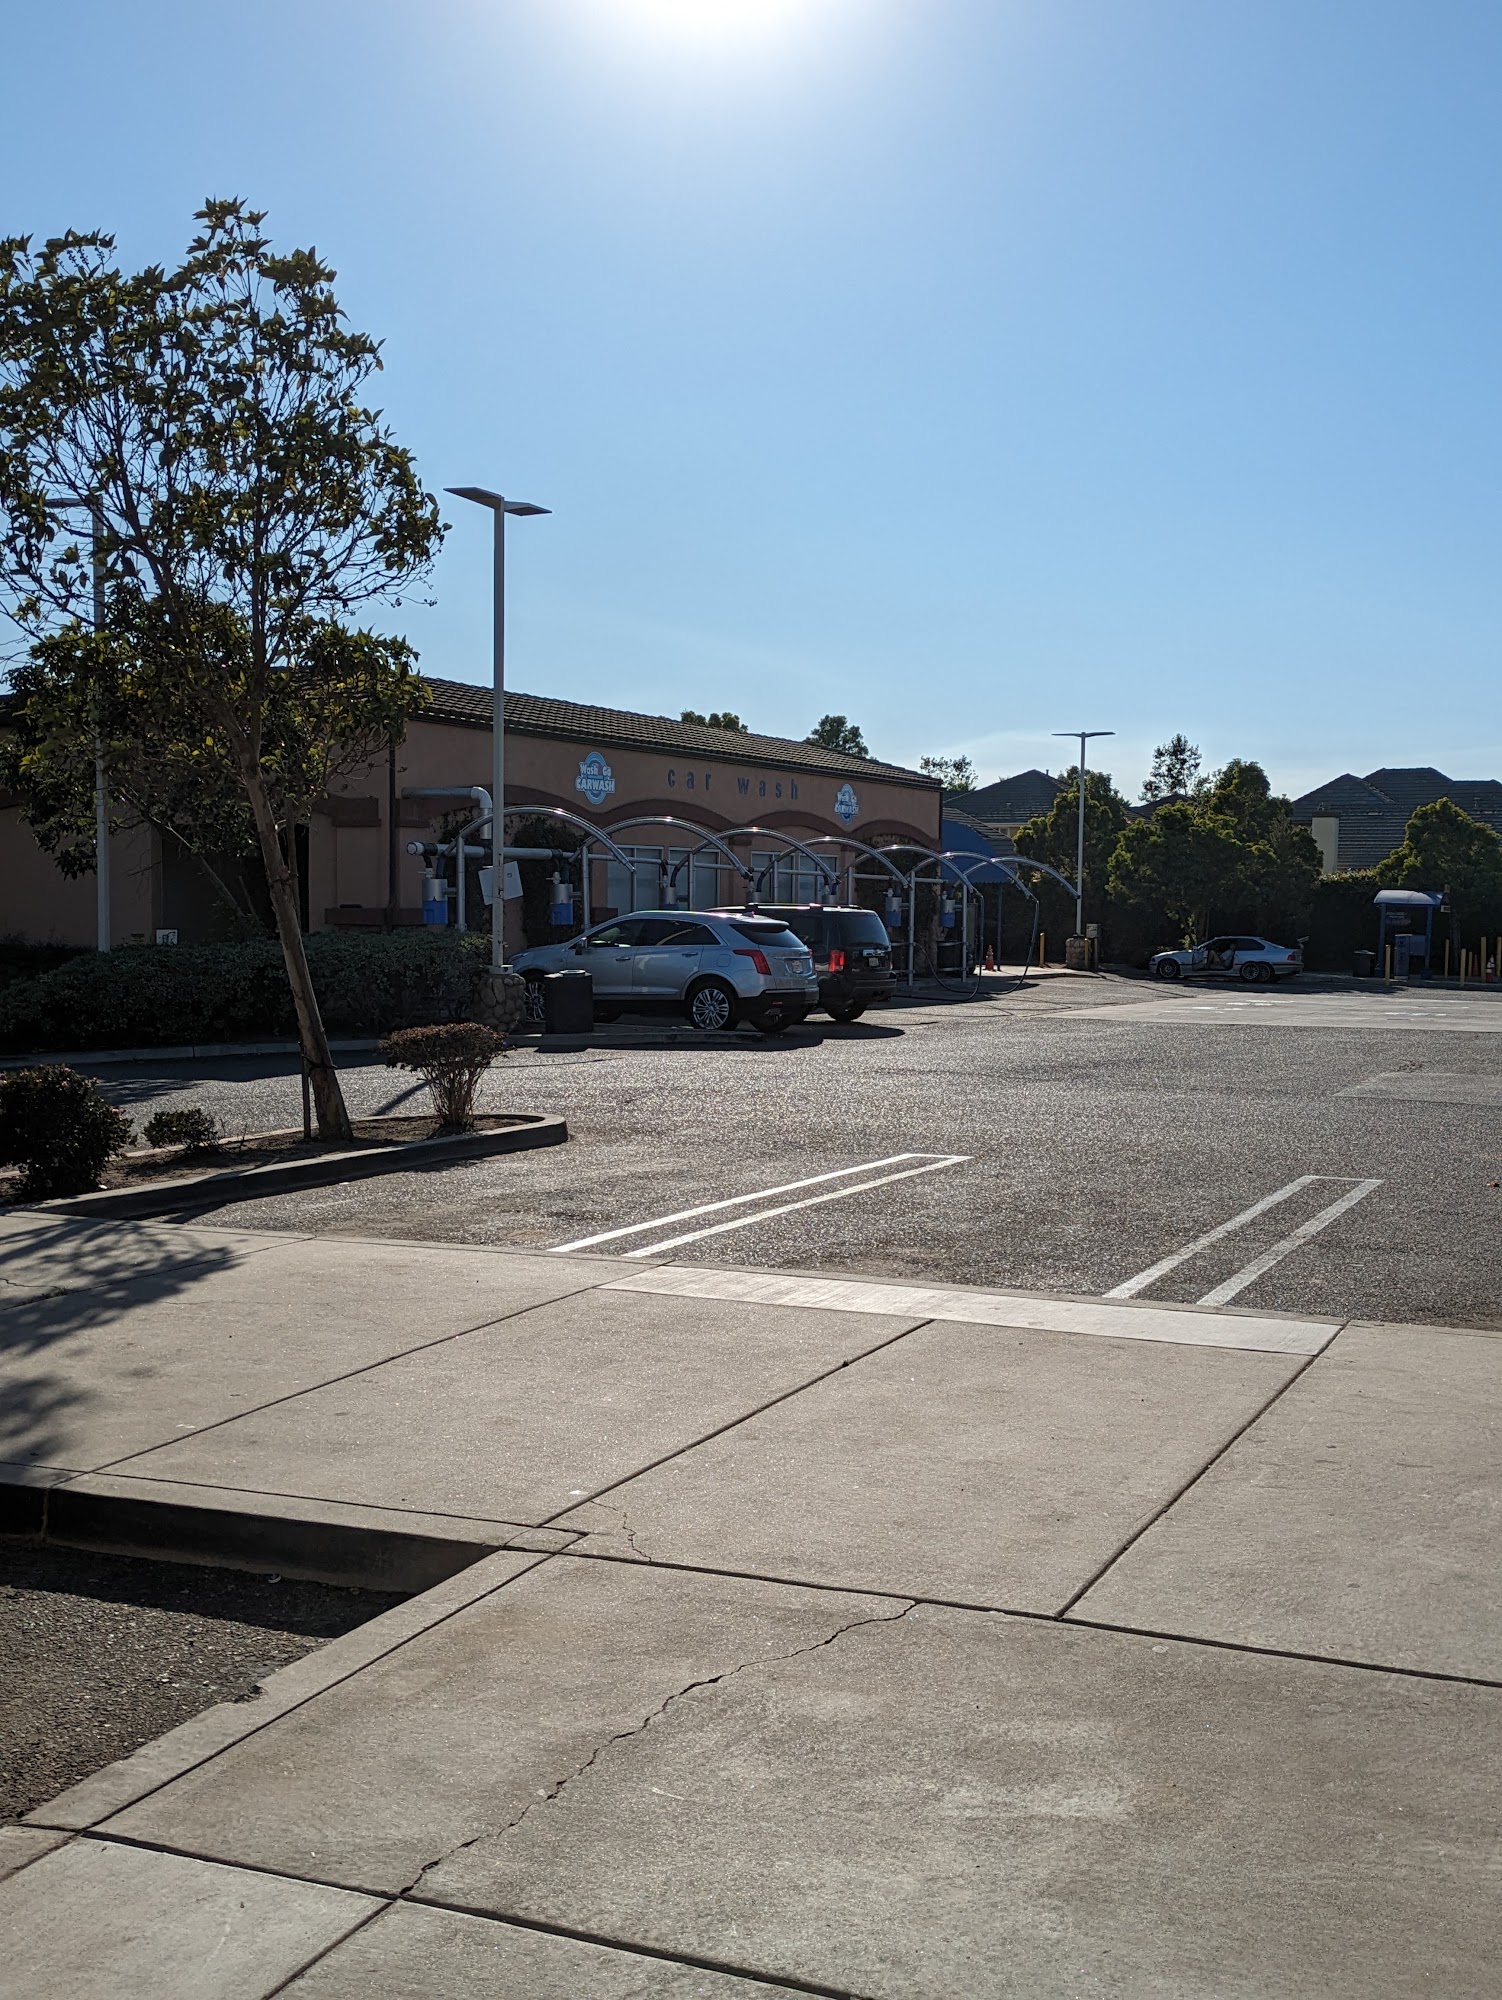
{"points": [[158, 995], [451, 1061], [194, 1129], [24, 958], [56, 1127]]}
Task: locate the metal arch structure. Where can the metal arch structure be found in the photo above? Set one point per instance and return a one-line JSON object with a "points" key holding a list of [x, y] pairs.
{"points": [[776, 833], [1016, 861], [707, 840], [876, 853], [595, 834], [961, 863], [591, 833]]}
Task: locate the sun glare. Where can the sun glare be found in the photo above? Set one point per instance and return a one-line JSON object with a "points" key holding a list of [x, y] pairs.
{"points": [[715, 20]]}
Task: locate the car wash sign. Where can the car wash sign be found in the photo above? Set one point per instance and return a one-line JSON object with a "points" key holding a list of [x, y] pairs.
{"points": [[846, 805], [596, 780]]}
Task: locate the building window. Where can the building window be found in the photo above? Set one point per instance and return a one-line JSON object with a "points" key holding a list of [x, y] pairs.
{"points": [[785, 877]]}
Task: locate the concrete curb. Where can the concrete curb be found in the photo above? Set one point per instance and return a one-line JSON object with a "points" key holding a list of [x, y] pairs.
{"points": [[183, 1052], [216, 1729], [371, 1548], [213, 1189]]}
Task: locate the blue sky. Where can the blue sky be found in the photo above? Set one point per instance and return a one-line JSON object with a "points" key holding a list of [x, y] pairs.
{"points": [[977, 368]]}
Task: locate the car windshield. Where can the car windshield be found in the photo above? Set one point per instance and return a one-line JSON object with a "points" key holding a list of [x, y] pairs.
{"points": [[769, 934]]}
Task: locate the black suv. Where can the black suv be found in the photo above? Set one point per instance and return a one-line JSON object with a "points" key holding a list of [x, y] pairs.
{"points": [[852, 954]]}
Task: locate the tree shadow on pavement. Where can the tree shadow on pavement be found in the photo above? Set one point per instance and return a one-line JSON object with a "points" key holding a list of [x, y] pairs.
{"points": [[60, 1278]]}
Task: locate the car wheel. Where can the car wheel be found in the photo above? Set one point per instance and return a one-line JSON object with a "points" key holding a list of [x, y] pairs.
{"points": [[532, 1011], [847, 1014], [712, 1006], [1168, 968], [1251, 973], [1266, 975]]}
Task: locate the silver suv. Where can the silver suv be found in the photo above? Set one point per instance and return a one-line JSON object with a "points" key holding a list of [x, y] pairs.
{"points": [[718, 967]]}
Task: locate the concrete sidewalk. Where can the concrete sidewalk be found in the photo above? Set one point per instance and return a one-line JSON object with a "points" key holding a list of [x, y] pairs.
{"points": [[780, 1633]]}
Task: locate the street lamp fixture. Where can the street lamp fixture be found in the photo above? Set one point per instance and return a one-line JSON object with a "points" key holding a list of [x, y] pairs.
{"points": [[1084, 736], [500, 507]]}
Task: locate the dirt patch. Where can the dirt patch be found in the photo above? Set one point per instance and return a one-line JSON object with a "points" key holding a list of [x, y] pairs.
{"points": [[103, 1653]]}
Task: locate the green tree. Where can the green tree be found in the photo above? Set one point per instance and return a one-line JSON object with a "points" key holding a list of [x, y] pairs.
{"points": [[1175, 772], [1444, 848], [1054, 836], [1283, 862], [1183, 867], [345, 697], [213, 416], [836, 732], [716, 719], [956, 774]]}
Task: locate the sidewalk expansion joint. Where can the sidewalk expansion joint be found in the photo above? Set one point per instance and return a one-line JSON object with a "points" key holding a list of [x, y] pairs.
{"points": [[575, 1505], [1196, 1476], [331, 1381], [560, 1785]]}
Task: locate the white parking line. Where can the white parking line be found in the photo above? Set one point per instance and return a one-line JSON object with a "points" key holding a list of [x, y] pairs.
{"points": [[1166, 1264], [1249, 1273], [765, 1214], [737, 1201]]}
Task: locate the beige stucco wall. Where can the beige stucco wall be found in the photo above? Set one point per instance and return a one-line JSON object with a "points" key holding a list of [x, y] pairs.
{"points": [[348, 862], [43, 904]]}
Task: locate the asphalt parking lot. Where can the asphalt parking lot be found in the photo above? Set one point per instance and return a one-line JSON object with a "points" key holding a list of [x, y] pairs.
{"points": [[1306, 1150]]}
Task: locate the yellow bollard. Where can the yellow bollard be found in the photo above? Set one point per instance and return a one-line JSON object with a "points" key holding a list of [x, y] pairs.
{"points": [[1388, 972], [1042, 949], [1447, 958]]}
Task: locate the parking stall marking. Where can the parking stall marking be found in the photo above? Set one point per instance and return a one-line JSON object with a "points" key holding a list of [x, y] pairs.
{"points": [[935, 1166], [1249, 1273], [739, 1200], [1264, 1262], [1176, 1257]]}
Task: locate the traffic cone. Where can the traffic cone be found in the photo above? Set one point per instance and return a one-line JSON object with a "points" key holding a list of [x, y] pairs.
{"points": [[990, 959]]}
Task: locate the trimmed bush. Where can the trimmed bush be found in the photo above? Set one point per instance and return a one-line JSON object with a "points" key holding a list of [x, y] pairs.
{"points": [[160, 995], [195, 1129], [56, 1127], [451, 1061]]}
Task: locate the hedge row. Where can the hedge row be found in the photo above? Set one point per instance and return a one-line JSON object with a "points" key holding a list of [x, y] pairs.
{"points": [[161, 995]]}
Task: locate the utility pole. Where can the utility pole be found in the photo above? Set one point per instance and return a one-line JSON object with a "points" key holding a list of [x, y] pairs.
{"points": [[1084, 736], [500, 508], [101, 789]]}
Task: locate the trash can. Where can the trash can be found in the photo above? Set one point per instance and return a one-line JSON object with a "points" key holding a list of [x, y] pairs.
{"points": [[568, 1003], [951, 959], [1364, 964], [1080, 954]]}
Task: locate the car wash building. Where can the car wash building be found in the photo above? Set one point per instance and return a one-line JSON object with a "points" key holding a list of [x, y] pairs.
{"points": [[701, 814]]}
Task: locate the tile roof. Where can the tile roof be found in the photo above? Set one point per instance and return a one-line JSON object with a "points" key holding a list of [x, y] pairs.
{"points": [[1374, 811], [467, 703], [1010, 801]]}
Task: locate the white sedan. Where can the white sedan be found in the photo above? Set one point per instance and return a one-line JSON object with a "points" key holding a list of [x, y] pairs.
{"points": [[1250, 958]]}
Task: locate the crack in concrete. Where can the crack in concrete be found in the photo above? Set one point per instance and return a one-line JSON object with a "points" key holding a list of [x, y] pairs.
{"points": [[560, 1785]]}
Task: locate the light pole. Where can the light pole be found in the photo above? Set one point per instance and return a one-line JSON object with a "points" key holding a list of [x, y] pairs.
{"points": [[1084, 736], [500, 508]]}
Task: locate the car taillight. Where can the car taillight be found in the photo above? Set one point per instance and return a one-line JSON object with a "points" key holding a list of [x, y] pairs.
{"points": [[1293, 958], [836, 959], [758, 959]]}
